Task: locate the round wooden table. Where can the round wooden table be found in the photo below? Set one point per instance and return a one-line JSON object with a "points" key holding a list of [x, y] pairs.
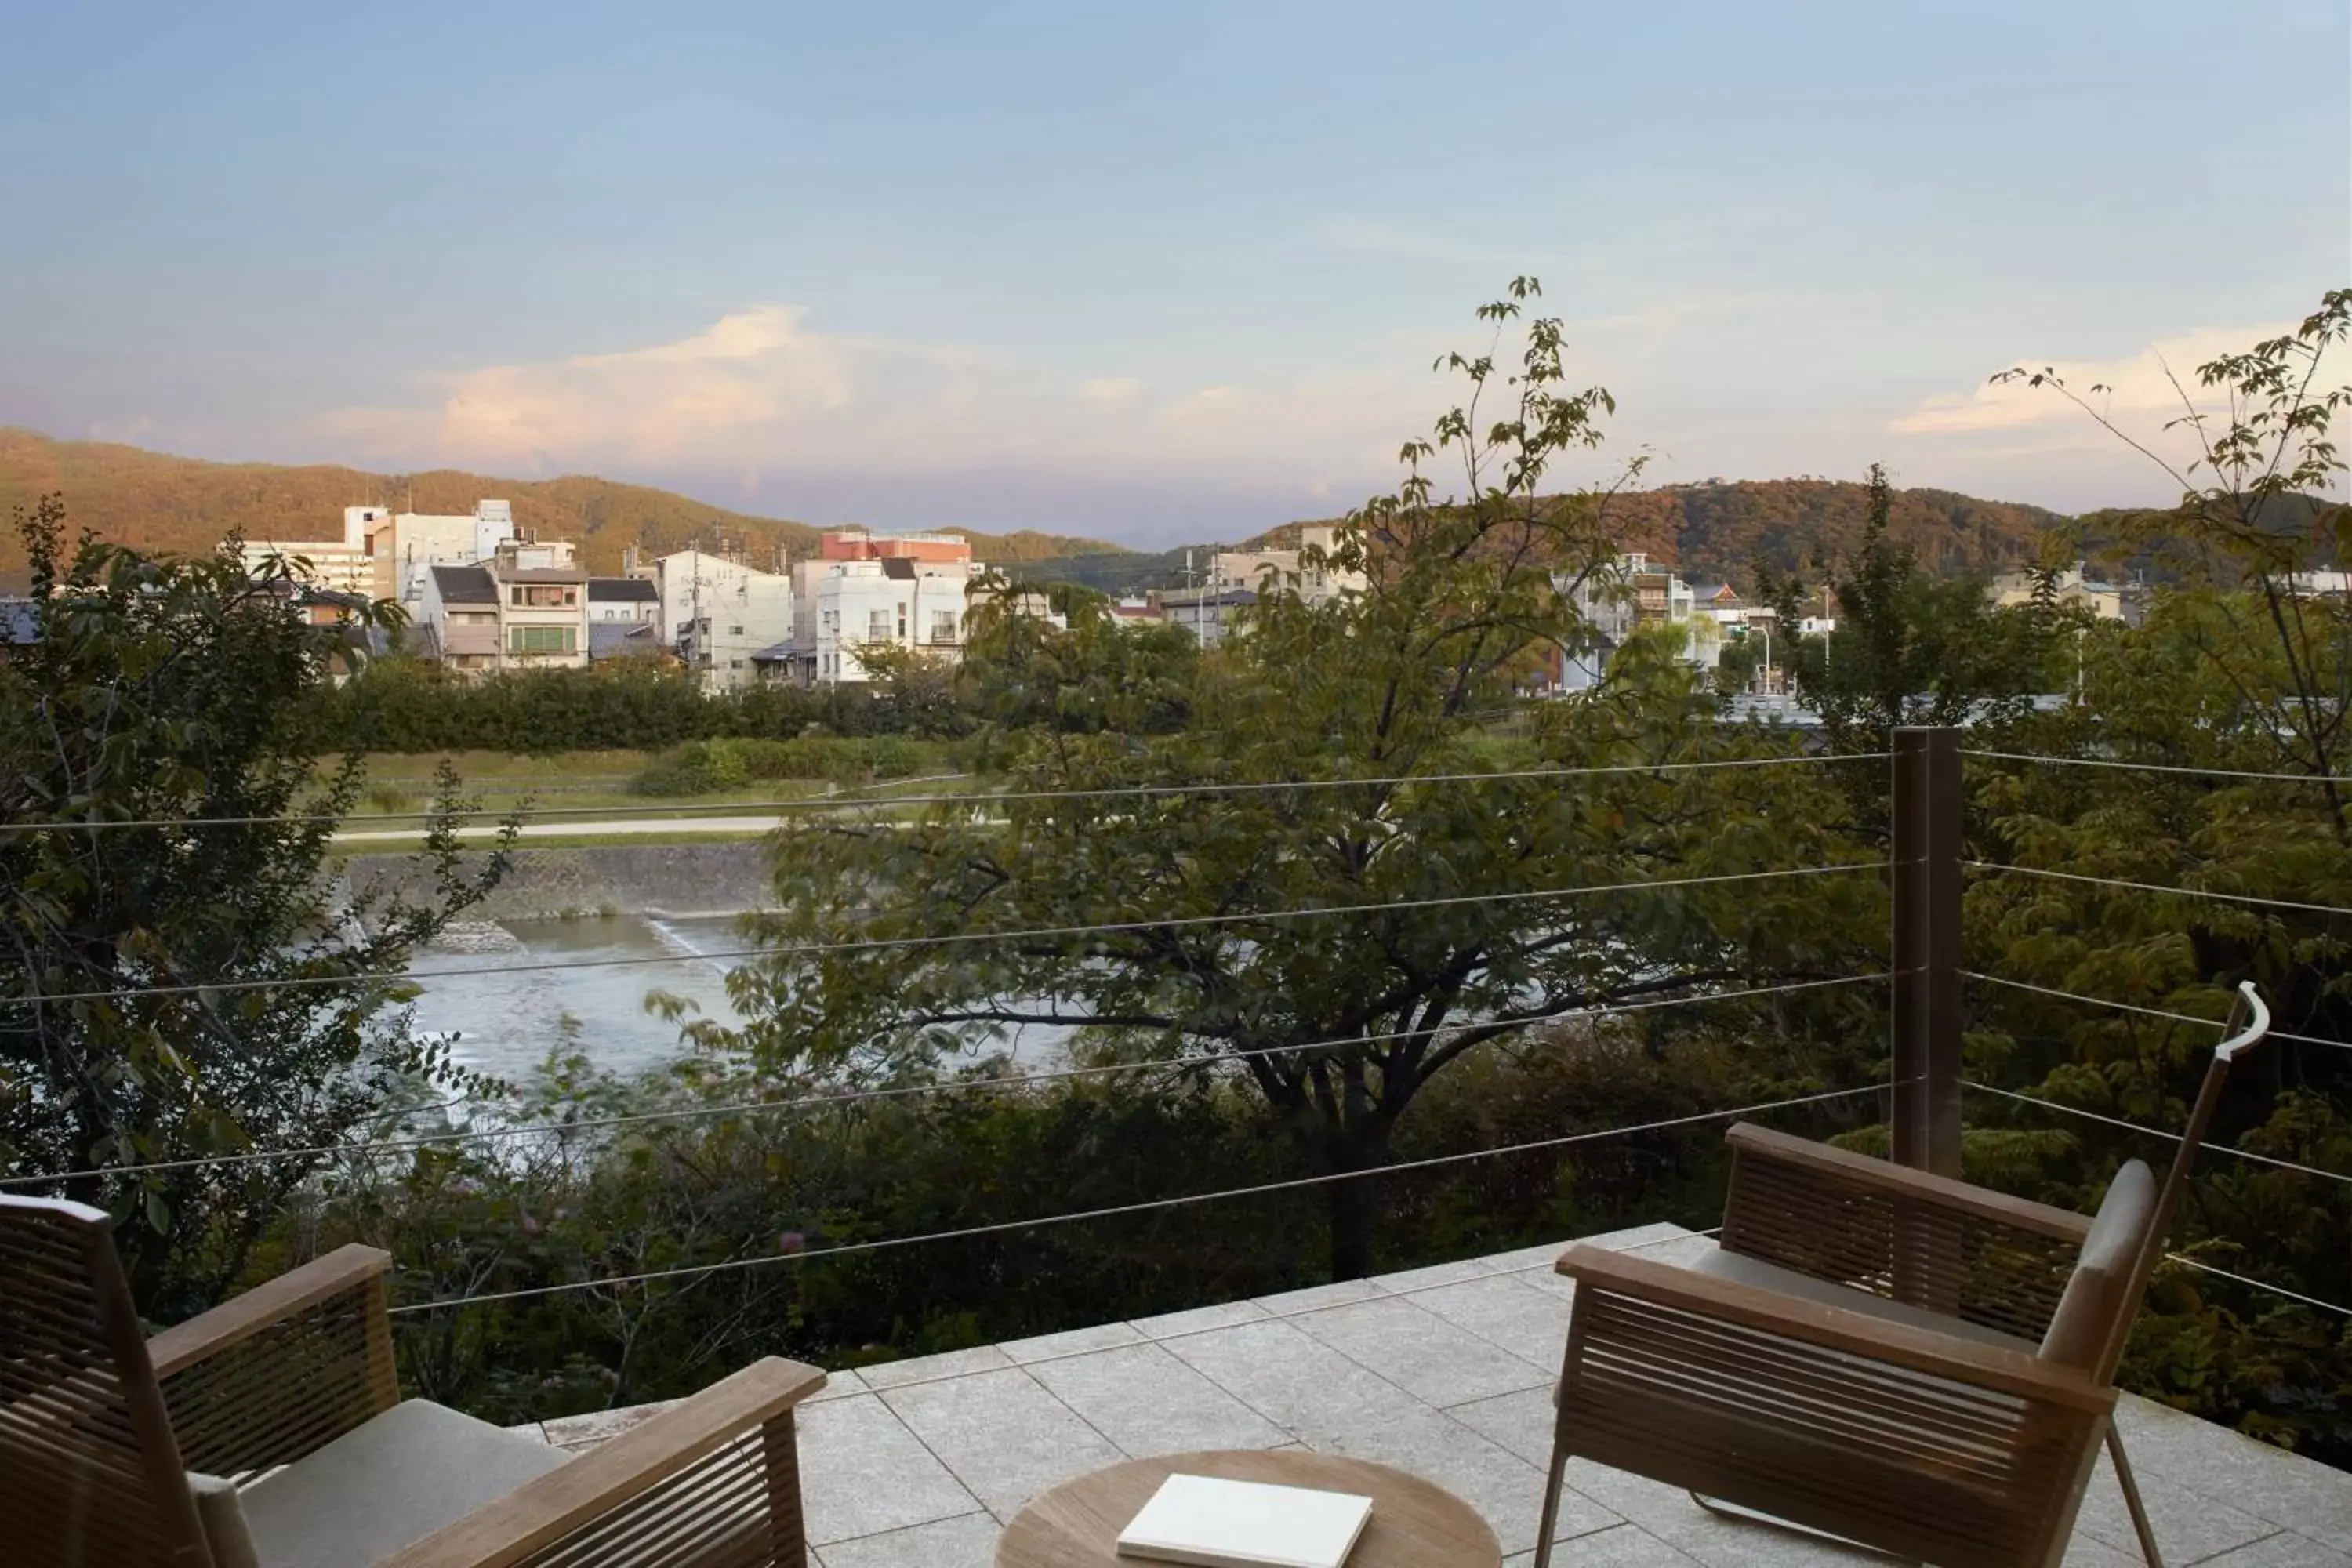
{"points": [[1414, 1524]]}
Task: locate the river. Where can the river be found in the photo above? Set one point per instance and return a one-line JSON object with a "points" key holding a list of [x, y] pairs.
{"points": [[478, 981]]}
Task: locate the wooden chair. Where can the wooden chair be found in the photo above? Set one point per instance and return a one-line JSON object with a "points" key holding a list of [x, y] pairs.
{"points": [[285, 1399], [1899, 1359]]}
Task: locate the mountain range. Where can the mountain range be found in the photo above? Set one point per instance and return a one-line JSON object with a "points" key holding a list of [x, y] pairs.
{"points": [[1712, 530], [158, 502]]}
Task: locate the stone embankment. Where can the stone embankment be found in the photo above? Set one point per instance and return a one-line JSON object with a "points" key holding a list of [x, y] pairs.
{"points": [[657, 879]]}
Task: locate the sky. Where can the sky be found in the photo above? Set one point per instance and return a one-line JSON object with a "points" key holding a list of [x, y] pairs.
{"points": [[1150, 273]]}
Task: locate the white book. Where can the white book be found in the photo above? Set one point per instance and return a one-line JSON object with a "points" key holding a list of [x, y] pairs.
{"points": [[1245, 1524]]}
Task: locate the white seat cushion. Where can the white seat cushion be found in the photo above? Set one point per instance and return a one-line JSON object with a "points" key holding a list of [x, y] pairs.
{"points": [[369, 1492], [1754, 1271]]}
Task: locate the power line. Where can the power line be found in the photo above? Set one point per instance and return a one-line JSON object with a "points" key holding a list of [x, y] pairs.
{"points": [[2154, 887], [2152, 1131], [849, 803], [2154, 767], [1148, 1205], [867, 944], [949, 1085]]}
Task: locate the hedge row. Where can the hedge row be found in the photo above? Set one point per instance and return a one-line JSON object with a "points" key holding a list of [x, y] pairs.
{"points": [[406, 705]]}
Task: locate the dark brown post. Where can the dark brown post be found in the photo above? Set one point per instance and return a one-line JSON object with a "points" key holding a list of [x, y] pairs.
{"points": [[1926, 1113]]}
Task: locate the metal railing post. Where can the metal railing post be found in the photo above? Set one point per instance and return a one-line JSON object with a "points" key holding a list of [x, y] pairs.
{"points": [[1925, 1110]]}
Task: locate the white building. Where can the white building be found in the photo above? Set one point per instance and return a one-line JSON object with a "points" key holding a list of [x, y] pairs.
{"points": [[406, 545], [850, 604], [716, 613], [1259, 571], [344, 564], [1633, 592]]}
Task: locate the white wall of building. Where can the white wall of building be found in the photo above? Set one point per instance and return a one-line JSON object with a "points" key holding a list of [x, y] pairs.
{"points": [[843, 603], [407, 545], [718, 612]]}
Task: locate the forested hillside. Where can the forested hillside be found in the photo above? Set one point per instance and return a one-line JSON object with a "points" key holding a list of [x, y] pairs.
{"points": [[1715, 531], [159, 501], [1724, 530]]}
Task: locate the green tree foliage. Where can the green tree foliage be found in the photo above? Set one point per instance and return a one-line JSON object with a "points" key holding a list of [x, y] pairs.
{"points": [[1912, 648], [1420, 920], [1099, 677], [2236, 668], [157, 691], [408, 705], [770, 1194]]}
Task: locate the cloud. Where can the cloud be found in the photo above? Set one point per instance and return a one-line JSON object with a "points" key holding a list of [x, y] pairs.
{"points": [[762, 392], [2138, 392], [1113, 391], [766, 405]]}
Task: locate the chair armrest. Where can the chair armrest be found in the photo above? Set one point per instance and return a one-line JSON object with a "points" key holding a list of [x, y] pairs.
{"points": [[282, 1370], [1984, 1257], [718, 1469], [1925, 1187], [1926, 1445], [241, 1317], [1945, 1356]]}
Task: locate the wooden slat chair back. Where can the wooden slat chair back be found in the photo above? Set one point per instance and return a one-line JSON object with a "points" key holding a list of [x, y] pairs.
{"points": [[1917, 1365], [100, 1426], [89, 1471]]}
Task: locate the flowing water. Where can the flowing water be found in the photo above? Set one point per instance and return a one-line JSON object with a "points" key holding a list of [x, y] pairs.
{"points": [[508, 1012]]}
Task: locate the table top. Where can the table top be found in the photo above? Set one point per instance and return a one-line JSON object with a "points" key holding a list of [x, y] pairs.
{"points": [[1415, 1523]]}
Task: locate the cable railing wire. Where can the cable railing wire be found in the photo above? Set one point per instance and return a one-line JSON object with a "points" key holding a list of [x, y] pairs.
{"points": [[2341, 1310], [2055, 993], [2154, 767], [374, 1147], [853, 802], [1113, 1210], [2152, 1131], [2156, 887], [869, 944]]}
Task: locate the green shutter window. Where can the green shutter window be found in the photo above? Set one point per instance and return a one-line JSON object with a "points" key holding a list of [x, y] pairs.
{"points": [[542, 639]]}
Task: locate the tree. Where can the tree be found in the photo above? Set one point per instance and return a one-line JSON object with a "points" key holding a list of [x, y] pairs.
{"points": [[175, 955], [1911, 647], [2246, 538], [1342, 935]]}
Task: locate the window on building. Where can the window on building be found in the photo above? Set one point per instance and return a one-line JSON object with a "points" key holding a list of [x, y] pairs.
{"points": [[734, 631], [734, 664], [878, 626], [943, 626], [542, 639]]}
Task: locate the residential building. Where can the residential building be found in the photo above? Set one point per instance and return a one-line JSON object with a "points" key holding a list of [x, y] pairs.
{"points": [[623, 618], [715, 612], [1617, 598], [460, 623], [408, 544], [1255, 571], [20, 623], [525, 607], [2072, 586], [1211, 614], [905, 590], [344, 565]]}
